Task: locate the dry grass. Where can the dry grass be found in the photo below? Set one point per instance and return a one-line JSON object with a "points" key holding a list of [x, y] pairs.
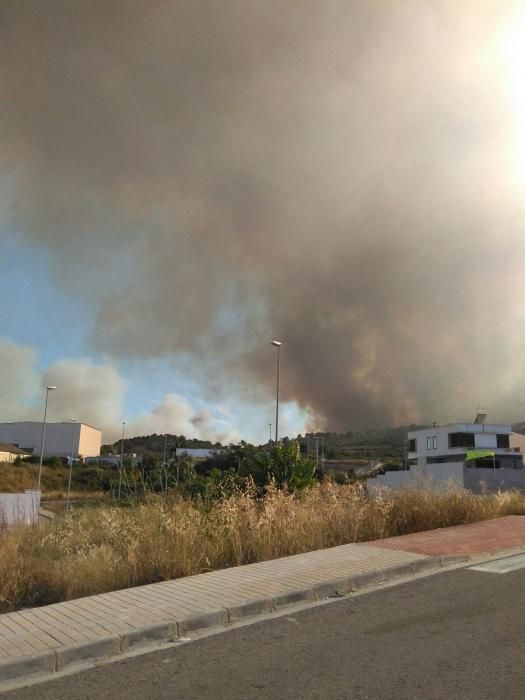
{"points": [[106, 547]]}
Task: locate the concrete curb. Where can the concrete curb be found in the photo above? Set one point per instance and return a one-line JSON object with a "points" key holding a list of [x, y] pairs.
{"points": [[11, 669], [96, 649], [165, 632], [171, 630]]}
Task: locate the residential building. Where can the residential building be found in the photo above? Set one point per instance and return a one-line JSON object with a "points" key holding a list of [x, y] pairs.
{"points": [[476, 456], [62, 439], [8, 453], [477, 445]]}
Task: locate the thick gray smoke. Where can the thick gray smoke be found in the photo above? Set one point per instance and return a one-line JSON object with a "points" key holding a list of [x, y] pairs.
{"points": [[345, 176]]}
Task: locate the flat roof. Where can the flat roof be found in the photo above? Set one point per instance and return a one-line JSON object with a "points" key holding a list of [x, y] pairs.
{"points": [[59, 422], [479, 427]]}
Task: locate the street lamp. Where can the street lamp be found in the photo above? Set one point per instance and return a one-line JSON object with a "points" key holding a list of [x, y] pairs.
{"points": [[277, 344], [48, 389], [121, 462], [164, 463], [71, 420], [270, 427]]}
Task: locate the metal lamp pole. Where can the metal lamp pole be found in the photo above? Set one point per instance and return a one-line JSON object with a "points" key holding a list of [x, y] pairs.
{"points": [[48, 389], [121, 463], [270, 427], [165, 464], [277, 344], [71, 420]]}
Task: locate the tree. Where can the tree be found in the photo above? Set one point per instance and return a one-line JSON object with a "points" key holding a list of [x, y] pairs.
{"points": [[289, 467]]}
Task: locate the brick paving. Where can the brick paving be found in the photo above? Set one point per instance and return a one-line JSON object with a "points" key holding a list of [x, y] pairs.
{"points": [[476, 538], [29, 632], [55, 628]]}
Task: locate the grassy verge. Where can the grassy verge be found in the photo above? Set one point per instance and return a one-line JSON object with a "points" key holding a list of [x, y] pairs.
{"points": [[103, 548]]}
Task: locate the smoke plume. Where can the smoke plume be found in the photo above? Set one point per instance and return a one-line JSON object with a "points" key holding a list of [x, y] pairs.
{"points": [[94, 394], [345, 176]]}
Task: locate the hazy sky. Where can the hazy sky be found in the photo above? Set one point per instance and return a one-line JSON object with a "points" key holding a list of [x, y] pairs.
{"points": [[182, 181]]}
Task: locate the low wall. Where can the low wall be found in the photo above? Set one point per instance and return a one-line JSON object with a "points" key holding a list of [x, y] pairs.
{"points": [[490, 480], [439, 477], [19, 507]]}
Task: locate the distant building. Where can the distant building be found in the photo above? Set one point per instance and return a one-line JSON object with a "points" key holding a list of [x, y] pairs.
{"points": [[61, 438], [197, 452], [476, 456], [103, 461], [474, 444], [8, 453]]}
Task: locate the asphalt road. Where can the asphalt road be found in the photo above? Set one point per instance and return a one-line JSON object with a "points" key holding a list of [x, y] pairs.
{"points": [[458, 634]]}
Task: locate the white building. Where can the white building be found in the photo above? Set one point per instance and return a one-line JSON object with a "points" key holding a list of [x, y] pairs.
{"points": [[476, 456], [197, 452], [476, 445], [62, 439]]}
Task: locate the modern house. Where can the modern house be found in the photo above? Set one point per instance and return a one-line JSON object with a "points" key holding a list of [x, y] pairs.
{"points": [[476, 445], [477, 456], [62, 439]]}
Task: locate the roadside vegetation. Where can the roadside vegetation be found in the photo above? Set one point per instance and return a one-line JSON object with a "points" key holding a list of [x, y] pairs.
{"points": [[105, 547]]}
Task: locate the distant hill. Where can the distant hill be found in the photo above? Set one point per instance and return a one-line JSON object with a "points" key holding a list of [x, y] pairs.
{"points": [[377, 444], [155, 443]]}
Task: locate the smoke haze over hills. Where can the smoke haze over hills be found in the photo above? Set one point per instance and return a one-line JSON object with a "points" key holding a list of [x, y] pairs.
{"points": [[346, 176]]}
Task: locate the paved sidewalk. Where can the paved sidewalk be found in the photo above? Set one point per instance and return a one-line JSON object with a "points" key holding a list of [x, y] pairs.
{"points": [[49, 638], [476, 538]]}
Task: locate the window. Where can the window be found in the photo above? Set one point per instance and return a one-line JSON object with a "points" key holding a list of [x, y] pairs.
{"points": [[434, 442], [412, 446], [461, 439], [429, 443], [503, 441]]}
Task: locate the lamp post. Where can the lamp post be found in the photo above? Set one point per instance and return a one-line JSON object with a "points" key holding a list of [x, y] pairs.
{"points": [[270, 438], [164, 463], [121, 462], [71, 420], [48, 389], [277, 344]]}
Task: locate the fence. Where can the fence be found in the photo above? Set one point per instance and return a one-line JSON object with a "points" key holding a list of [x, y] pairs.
{"points": [[19, 507]]}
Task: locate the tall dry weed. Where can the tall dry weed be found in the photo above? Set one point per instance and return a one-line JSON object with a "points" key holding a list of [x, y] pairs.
{"points": [[103, 548]]}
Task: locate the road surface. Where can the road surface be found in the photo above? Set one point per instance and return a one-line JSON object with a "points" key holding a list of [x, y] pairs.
{"points": [[458, 634]]}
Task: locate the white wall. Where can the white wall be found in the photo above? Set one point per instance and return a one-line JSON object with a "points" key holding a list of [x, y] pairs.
{"points": [[60, 438], [490, 480], [89, 441], [438, 477], [19, 507]]}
